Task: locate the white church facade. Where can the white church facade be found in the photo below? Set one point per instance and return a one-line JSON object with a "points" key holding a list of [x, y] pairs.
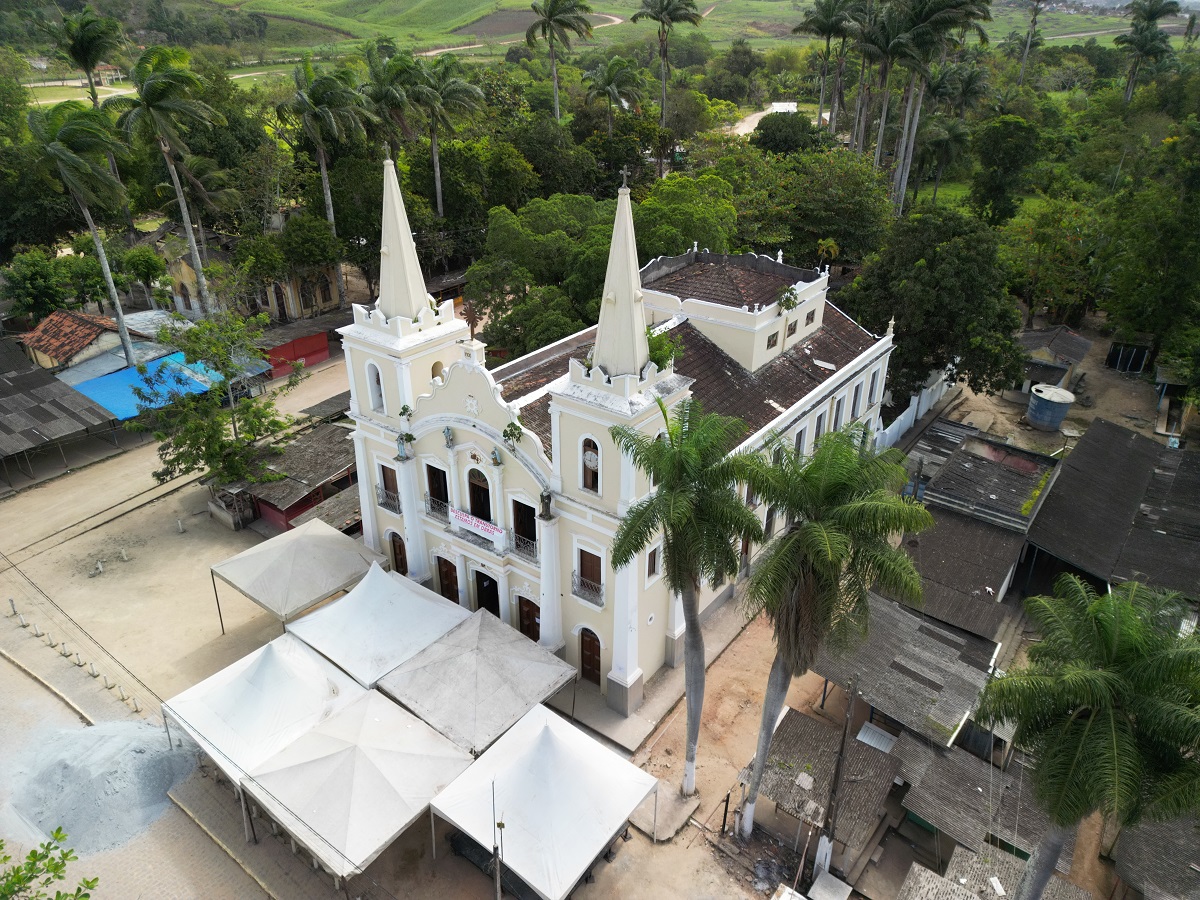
{"points": [[502, 489]]}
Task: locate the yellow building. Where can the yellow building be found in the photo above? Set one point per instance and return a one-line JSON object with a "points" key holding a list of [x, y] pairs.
{"points": [[502, 489]]}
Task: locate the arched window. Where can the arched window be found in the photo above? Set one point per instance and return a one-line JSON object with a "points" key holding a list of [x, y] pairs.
{"points": [[437, 369], [591, 466], [480, 495], [375, 387]]}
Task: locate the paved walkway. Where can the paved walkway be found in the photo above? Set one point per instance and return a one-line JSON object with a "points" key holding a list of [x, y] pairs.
{"points": [[661, 694]]}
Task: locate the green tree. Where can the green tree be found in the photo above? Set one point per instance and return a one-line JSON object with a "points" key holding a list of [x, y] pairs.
{"points": [[699, 512], [1005, 147], [1144, 43], [618, 81], [440, 92], [827, 20], [145, 266], [555, 21], [70, 138], [529, 318], [832, 194], [36, 284], [938, 276], [87, 39], [261, 261], [786, 133], [680, 210], [814, 580], [1051, 256], [41, 869], [1153, 282], [389, 80], [309, 243], [1035, 9], [325, 107], [198, 432], [161, 106], [666, 14], [1109, 706]]}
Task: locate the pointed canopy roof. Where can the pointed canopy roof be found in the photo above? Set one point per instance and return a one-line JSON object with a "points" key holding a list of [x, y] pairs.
{"points": [[561, 795], [476, 680], [255, 707], [296, 570], [385, 620], [621, 345], [350, 786], [401, 284]]}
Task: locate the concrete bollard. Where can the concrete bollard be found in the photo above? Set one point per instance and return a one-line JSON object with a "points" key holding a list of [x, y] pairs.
{"points": [[179, 522], [78, 661], [21, 619], [92, 670], [12, 603], [50, 641], [136, 708], [37, 632], [124, 555], [121, 693], [63, 651]]}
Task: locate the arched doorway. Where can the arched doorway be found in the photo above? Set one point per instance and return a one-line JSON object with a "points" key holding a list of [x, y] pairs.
{"points": [[399, 555], [481, 495], [530, 617], [281, 312], [589, 655], [447, 579]]}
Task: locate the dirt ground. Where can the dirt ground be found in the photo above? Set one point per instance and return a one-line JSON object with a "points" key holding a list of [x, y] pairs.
{"points": [[1126, 400]]}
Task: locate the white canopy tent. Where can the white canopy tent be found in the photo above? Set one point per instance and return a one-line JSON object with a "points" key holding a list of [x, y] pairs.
{"points": [[296, 570], [475, 681], [255, 707], [350, 786], [385, 620], [561, 795]]}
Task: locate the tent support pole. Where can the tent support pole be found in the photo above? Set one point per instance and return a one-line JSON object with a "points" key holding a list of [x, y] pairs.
{"points": [[432, 833], [574, 693], [654, 832], [220, 618], [168, 727], [251, 837]]}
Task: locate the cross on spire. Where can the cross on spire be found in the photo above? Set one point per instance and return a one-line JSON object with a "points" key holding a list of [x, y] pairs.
{"points": [[625, 176]]}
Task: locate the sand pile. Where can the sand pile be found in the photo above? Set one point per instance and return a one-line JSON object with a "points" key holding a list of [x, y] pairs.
{"points": [[101, 785]]}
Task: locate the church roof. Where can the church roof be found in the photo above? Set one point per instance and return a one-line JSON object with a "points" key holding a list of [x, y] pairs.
{"points": [[721, 384]]}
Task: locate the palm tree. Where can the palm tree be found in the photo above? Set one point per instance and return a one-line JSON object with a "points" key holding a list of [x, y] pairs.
{"points": [[827, 19], [666, 13], [948, 140], [1145, 42], [159, 108], [814, 580], [1152, 10], [617, 81], [971, 89], [697, 509], [440, 91], [554, 20], [389, 82], [1035, 9], [70, 139], [1109, 706], [87, 39], [325, 107]]}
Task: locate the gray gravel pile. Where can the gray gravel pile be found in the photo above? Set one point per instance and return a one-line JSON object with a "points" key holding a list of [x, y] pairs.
{"points": [[102, 785]]}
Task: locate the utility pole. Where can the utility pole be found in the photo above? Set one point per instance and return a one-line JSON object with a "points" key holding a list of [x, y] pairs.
{"points": [[836, 783]]}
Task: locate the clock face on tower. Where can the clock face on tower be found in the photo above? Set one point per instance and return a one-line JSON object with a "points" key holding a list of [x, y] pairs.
{"points": [[591, 460]]}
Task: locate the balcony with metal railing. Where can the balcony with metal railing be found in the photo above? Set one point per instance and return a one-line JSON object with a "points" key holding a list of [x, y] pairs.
{"points": [[526, 548], [437, 509], [389, 500], [586, 590]]}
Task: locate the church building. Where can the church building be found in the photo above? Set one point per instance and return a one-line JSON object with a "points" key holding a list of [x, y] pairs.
{"points": [[502, 489]]}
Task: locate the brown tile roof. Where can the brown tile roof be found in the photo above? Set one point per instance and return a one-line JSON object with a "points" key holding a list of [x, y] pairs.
{"points": [[536, 370], [67, 332], [536, 417], [724, 284], [724, 387]]}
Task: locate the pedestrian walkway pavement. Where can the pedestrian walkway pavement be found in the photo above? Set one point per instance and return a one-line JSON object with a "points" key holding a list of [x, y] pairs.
{"points": [[588, 707]]}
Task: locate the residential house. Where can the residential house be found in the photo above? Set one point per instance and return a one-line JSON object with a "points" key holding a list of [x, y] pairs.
{"points": [[504, 489], [68, 337], [1053, 356]]}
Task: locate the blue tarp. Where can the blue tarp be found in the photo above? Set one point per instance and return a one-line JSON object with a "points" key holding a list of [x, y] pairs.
{"points": [[115, 391]]}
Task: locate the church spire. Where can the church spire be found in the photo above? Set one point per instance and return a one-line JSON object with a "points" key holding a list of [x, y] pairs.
{"points": [[621, 345], [401, 285]]}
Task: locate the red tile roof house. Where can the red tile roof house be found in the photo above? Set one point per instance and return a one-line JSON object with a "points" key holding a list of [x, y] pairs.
{"points": [[67, 337]]}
